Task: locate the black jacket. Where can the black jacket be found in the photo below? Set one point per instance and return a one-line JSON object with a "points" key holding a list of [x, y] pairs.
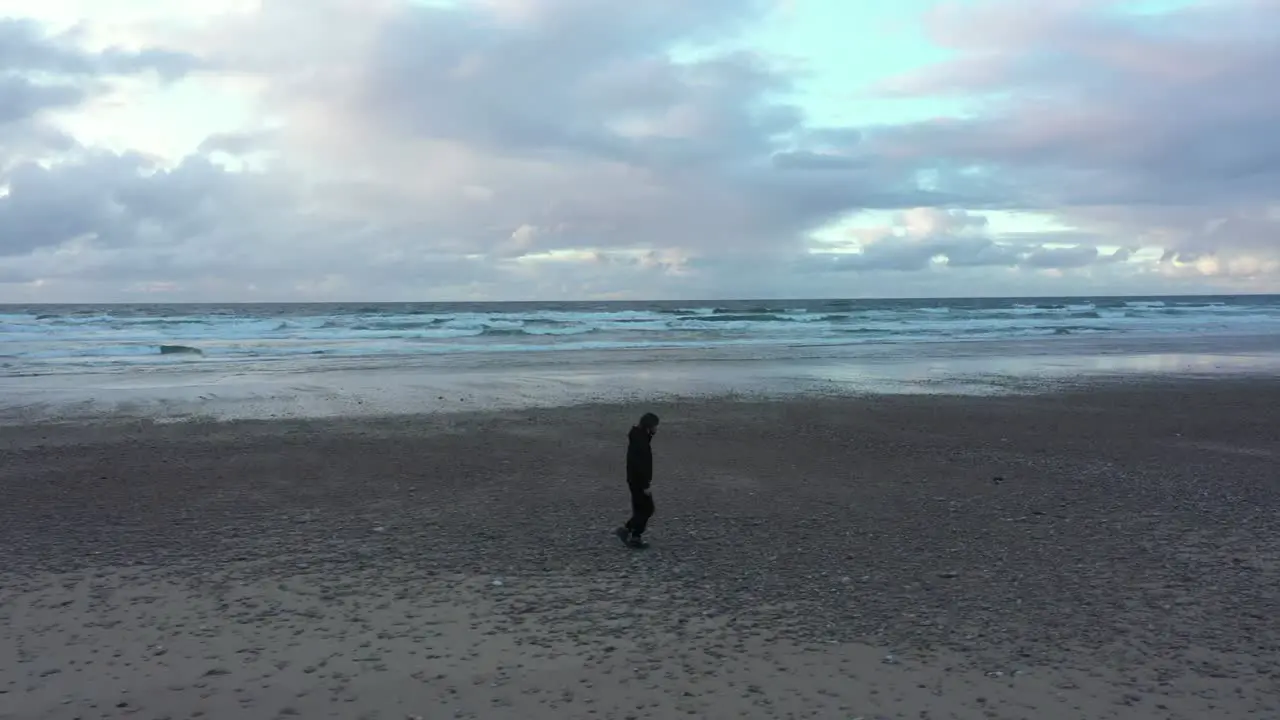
{"points": [[639, 458]]}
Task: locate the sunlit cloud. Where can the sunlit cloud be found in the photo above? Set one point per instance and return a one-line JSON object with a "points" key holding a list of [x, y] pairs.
{"points": [[591, 148]]}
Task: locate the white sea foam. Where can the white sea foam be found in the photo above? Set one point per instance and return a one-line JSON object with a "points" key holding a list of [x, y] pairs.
{"points": [[45, 339]]}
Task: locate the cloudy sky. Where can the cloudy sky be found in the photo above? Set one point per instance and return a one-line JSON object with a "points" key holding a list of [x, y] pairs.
{"points": [[242, 150]]}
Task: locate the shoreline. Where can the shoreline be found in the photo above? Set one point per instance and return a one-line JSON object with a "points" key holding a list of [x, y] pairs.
{"points": [[464, 408], [186, 391], [845, 557]]}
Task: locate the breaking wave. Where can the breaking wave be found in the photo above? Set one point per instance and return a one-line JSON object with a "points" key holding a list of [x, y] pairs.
{"points": [[67, 335]]}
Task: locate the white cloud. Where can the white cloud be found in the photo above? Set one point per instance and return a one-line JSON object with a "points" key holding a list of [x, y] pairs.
{"points": [[1154, 131], [554, 148]]}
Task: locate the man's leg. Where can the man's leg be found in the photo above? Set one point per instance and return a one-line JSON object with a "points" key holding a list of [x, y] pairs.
{"points": [[641, 510], [636, 495], [627, 533]]}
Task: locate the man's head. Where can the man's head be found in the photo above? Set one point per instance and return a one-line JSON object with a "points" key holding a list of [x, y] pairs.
{"points": [[649, 423]]}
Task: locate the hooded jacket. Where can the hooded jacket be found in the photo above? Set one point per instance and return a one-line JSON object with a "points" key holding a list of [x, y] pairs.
{"points": [[639, 458]]}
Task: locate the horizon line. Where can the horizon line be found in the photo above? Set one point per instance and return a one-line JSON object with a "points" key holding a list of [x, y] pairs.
{"points": [[938, 298]]}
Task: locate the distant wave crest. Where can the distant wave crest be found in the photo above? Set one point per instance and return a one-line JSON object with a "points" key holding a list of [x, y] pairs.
{"points": [[65, 336]]}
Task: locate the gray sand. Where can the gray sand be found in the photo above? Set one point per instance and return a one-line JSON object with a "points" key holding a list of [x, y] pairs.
{"points": [[812, 558]]}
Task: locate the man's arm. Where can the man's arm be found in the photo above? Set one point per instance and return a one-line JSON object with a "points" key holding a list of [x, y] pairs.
{"points": [[640, 471]]}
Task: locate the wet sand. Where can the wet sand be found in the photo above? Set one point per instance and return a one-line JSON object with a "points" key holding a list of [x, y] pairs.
{"points": [[202, 388], [1102, 553]]}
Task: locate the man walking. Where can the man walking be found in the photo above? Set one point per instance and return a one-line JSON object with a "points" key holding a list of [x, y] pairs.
{"points": [[639, 479]]}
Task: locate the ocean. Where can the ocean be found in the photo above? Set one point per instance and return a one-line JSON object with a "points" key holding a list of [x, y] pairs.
{"points": [[47, 339]]}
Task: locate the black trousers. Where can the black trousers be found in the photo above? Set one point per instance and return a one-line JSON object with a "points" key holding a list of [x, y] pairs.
{"points": [[641, 510]]}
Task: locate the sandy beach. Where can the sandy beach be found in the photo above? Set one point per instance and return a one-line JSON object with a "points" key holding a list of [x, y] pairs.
{"points": [[1102, 552]]}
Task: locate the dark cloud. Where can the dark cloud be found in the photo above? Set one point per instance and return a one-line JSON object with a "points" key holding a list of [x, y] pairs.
{"points": [[809, 160], [27, 47], [555, 84], [21, 98], [597, 137], [1061, 258], [112, 199], [115, 221], [42, 72], [105, 197]]}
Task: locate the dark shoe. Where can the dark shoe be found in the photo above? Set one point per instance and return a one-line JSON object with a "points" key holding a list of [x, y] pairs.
{"points": [[624, 535], [637, 542]]}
